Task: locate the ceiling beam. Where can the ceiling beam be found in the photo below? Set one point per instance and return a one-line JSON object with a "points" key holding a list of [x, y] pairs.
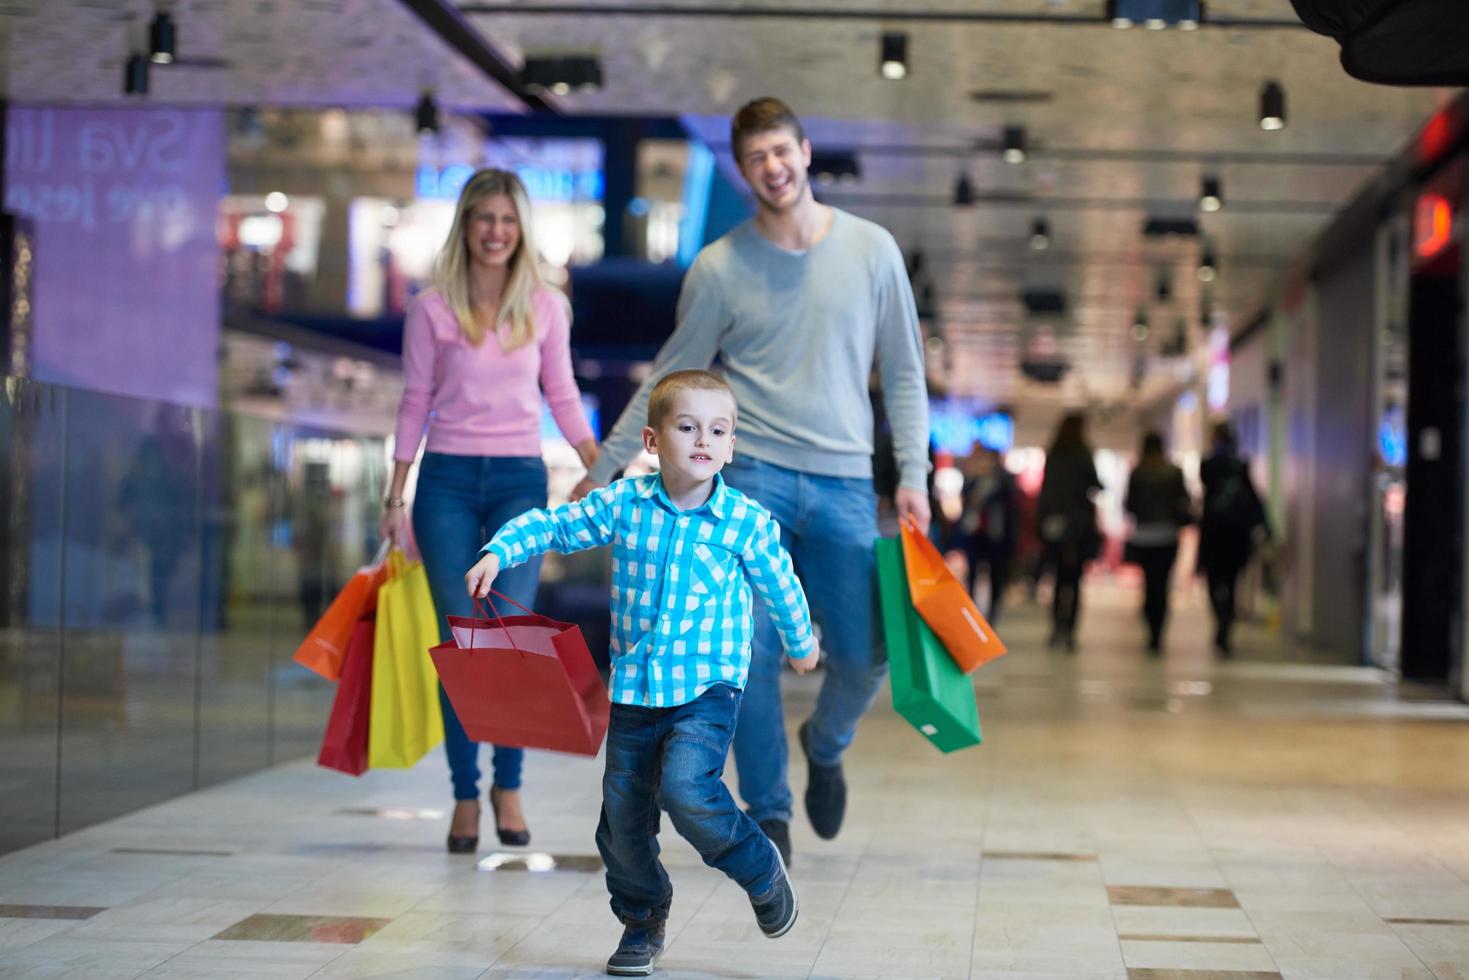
{"points": [[894, 14], [1084, 154], [445, 19], [1007, 199]]}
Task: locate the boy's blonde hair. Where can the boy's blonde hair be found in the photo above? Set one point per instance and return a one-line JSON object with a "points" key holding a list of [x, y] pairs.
{"points": [[660, 400]]}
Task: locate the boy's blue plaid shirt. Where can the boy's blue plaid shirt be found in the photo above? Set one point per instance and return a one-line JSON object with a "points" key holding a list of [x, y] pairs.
{"points": [[682, 617]]}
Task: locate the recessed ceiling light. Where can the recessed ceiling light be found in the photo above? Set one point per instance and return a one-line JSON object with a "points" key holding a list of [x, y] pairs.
{"points": [[1211, 195], [1272, 107], [162, 39], [892, 60]]}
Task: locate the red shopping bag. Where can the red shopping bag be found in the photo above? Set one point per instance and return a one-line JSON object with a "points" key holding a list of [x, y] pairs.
{"points": [[344, 746], [526, 681], [945, 604], [325, 647]]}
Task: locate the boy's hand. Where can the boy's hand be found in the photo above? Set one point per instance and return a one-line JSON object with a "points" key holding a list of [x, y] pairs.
{"points": [[479, 578], [807, 662]]}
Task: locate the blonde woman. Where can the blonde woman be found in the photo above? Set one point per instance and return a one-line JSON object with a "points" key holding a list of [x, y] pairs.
{"points": [[479, 348]]}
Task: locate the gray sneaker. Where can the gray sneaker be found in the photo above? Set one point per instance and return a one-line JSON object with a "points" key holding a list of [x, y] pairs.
{"points": [[776, 909], [639, 949]]}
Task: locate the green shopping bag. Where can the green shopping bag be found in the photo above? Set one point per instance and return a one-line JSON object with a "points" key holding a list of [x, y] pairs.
{"points": [[930, 690]]}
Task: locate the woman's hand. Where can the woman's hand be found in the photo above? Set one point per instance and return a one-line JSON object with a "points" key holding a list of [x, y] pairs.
{"points": [[394, 525], [588, 451], [479, 578]]}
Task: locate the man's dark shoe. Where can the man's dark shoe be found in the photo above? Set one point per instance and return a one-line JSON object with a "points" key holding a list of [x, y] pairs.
{"points": [[826, 793], [640, 947], [776, 909], [779, 833]]}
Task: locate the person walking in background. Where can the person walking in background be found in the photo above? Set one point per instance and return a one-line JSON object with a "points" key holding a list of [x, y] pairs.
{"points": [[1233, 517], [478, 348], [799, 304], [1159, 504], [989, 524], [1068, 522]]}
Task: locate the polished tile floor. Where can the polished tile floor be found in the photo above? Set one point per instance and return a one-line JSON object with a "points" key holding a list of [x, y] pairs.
{"points": [[1171, 819]]}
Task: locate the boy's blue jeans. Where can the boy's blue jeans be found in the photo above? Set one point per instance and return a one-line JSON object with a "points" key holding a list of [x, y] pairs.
{"points": [[673, 758], [459, 504], [828, 524]]}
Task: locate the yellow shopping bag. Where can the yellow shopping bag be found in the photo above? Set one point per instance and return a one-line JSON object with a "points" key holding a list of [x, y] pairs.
{"points": [[405, 721]]}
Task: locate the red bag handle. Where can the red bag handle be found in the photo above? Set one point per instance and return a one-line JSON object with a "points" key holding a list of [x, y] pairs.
{"points": [[495, 613]]}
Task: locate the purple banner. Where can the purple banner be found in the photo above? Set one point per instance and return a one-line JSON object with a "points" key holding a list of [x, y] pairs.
{"points": [[125, 203]]}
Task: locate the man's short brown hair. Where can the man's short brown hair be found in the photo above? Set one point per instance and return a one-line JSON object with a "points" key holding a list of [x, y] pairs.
{"points": [[660, 400], [761, 116]]}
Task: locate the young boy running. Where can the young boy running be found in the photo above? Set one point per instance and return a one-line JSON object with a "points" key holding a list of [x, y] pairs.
{"points": [[686, 550]]}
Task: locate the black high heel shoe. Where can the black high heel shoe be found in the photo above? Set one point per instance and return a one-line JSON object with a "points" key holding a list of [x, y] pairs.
{"points": [[510, 838], [465, 845]]}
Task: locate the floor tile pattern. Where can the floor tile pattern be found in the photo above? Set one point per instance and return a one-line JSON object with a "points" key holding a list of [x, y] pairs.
{"points": [[1127, 818]]}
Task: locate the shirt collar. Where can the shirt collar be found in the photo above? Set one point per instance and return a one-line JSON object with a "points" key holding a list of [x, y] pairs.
{"points": [[717, 504]]}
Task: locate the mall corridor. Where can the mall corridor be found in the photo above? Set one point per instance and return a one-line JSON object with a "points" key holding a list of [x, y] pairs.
{"points": [[1125, 818]]}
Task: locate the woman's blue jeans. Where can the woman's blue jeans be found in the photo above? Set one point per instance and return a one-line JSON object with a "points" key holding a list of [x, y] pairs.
{"points": [[460, 503]]}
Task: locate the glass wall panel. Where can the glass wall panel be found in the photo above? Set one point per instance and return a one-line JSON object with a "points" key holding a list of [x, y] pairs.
{"points": [[158, 567], [130, 605], [32, 447], [333, 488], [240, 567]]}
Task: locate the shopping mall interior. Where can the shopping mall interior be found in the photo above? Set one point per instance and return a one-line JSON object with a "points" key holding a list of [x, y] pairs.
{"points": [[1159, 216]]}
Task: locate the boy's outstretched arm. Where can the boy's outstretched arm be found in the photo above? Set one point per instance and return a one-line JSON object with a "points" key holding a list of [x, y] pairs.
{"points": [[770, 571], [577, 526]]}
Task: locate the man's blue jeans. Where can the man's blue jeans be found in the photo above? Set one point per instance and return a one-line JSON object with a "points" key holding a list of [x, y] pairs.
{"points": [[828, 524], [673, 758], [460, 502]]}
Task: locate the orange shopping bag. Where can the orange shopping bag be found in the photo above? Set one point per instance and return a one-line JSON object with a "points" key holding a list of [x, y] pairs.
{"points": [[944, 603], [325, 647]]}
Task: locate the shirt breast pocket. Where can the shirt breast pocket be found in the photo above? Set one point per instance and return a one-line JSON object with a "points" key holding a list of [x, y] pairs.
{"points": [[713, 569]]}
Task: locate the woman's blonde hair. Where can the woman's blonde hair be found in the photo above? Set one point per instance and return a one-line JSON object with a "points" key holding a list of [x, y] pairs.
{"points": [[451, 272]]}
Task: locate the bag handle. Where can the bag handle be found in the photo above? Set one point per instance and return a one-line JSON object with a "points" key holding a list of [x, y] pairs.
{"points": [[481, 602]]}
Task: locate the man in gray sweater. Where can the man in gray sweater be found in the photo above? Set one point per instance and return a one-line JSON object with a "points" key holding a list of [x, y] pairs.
{"points": [[797, 304]]}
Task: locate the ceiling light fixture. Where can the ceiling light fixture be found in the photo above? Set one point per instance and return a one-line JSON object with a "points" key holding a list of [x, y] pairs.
{"points": [[1211, 195], [892, 59], [1272, 107], [835, 166], [1040, 235], [426, 115], [963, 192], [1208, 266], [562, 74], [1013, 149], [135, 75], [162, 39], [1156, 15]]}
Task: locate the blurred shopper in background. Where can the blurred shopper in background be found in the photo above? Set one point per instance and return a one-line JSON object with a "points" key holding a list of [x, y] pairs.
{"points": [[990, 523], [1233, 519], [1068, 522], [478, 348], [1159, 504]]}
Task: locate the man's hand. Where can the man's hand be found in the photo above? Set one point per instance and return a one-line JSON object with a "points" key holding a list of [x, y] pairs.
{"points": [[586, 486], [479, 578], [807, 662], [914, 503]]}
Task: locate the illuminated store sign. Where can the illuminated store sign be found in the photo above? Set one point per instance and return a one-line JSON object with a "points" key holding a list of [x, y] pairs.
{"points": [[542, 183], [957, 427]]}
